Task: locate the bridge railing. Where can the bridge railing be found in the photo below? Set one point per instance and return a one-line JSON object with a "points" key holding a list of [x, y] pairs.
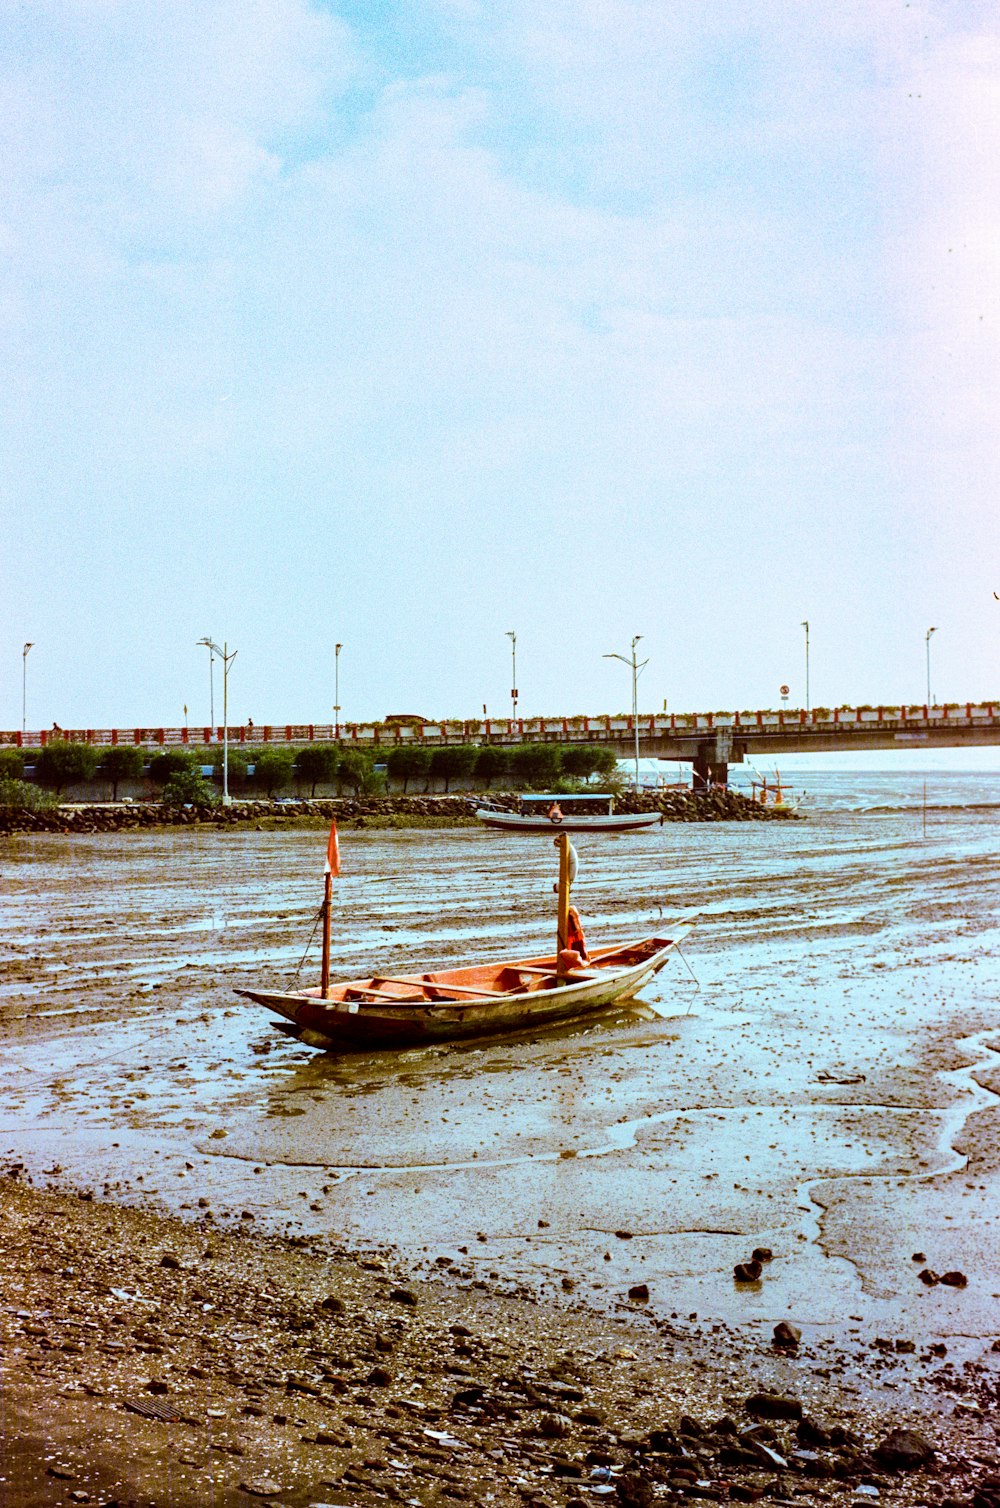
{"points": [[590, 729]]}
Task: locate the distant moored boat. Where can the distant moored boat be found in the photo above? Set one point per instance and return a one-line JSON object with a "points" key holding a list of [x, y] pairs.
{"points": [[578, 814]]}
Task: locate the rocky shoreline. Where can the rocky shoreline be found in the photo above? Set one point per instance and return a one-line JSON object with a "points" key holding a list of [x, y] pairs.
{"points": [[363, 811], [150, 1361]]}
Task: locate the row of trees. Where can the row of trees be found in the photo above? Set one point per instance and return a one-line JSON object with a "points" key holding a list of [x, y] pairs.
{"points": [[61, 764], [523, 765]]}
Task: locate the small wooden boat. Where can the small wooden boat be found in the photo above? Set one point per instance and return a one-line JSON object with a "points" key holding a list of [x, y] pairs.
{"points": [[578, 814], [401, 1010], [408, 1007]]}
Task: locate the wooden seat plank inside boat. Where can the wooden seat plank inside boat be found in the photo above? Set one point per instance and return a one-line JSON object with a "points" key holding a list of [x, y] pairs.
{"points": [[444, 991], [440, 988], [363, 992]]}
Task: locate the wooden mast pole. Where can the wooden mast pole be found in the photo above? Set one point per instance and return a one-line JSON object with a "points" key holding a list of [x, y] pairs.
{"points": [[562, 909], [324, 982]]}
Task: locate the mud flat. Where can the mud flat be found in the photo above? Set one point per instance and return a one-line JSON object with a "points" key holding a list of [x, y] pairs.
{"points": [[826, 1090], [151, 1361]]}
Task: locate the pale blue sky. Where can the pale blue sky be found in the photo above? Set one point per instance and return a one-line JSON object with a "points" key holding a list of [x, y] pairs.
{"points": [[403, 325]]}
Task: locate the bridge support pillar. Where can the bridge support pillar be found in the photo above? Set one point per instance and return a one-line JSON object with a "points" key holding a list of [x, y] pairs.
{"points": [[711, 763], [707, 770]]}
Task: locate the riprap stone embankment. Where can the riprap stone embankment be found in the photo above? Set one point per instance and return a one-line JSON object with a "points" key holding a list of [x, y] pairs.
{"points": [[392, 810]]}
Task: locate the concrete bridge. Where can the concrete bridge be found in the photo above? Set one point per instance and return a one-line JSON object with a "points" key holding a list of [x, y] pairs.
{"points": [[709, 741]]}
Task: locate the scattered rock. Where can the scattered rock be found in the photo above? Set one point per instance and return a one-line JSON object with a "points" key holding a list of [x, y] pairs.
{"points": [[773, 1406], [634, 1491], [404, 1296], [762, 1254], [954, 1279], [747, 1272], [639, 1292], [787, 1335], [904, 1450], [589, 1416], [554, 1426]]}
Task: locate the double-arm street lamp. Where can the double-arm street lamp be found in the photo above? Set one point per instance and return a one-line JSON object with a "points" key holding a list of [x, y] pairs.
{"points": [[512, 636], [927, 646], [805, 625], [227, 660], [336, 690], [24, 687], [636, 667], [211, 683]]}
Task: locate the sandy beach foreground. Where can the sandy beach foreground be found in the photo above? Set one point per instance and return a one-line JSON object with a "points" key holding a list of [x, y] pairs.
{"points": [[150, 1361]]}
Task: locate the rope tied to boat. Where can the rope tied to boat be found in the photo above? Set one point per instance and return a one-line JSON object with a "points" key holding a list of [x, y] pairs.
{"points": [[316, 921]]}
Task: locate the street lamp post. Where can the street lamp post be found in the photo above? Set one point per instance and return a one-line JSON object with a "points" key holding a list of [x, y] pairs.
{"points": [[227, 660], [805, 625], [513, 674], [24, 687], [512, 636], [927, 646], [636, 667], [336, 690], [211, 682]]}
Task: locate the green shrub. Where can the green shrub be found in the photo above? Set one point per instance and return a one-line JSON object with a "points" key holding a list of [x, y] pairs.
{"points": [[239, 759], [452, 762], [492, 761], [317, 763], [356, 770], [408, 762], [273, 770], [584, 760], [11, 764], [187, 787], [534, 764], [121, 762], [61, 764], [163, 767], [613, 783], [23, 797]]}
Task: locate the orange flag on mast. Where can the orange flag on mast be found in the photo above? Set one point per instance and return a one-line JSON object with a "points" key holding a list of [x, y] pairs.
{"points": [[332, 865]]}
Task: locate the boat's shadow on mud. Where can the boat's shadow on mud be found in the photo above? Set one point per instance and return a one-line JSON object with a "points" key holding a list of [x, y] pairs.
{"points": [[506, 1052]]}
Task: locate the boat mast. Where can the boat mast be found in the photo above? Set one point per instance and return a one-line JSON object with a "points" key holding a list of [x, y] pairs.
{"points": [[562, 906], [324, 979]]}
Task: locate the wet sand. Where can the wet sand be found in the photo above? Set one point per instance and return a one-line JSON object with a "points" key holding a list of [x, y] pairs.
{"points": [[828, 1088]]}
